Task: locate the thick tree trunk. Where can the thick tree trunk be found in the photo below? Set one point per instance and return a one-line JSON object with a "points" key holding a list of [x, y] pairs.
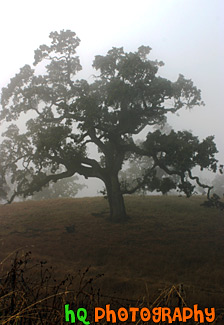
{"points": [[115, 199]]}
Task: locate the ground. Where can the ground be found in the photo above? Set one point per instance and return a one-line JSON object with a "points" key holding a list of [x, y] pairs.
{"points": [[166, 241]]}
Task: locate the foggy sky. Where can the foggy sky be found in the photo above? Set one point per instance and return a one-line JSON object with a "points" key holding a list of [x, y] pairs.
{"points": [[187, 35]]}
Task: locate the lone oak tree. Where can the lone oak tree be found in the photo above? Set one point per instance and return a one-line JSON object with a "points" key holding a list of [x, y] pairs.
{"points": [[125, 97]]}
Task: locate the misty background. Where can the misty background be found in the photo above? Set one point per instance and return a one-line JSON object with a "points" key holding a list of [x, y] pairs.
{"points": [[187, 35]]}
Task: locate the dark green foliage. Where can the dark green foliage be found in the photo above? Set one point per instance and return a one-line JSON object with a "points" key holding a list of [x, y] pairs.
{"points": [[125, 98]]}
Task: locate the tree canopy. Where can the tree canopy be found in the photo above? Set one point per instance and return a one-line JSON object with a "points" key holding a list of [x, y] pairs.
{"points": [[126, 97]]}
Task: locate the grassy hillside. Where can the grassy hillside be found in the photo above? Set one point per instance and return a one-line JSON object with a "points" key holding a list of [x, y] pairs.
{"points": [[167, 240]]}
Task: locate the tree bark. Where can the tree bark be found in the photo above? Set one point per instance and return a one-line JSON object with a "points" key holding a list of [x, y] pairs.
{"points": [[115, 199]]}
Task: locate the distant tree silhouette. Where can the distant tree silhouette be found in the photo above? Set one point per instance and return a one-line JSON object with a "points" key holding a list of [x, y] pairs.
{"points": [[218, 185], [66, 187]]}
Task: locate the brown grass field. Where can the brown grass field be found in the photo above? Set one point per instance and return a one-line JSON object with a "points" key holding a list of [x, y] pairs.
{"points": [[167, 240]]}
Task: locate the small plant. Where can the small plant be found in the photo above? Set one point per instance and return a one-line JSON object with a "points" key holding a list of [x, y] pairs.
{"points": [[31, 294]]}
